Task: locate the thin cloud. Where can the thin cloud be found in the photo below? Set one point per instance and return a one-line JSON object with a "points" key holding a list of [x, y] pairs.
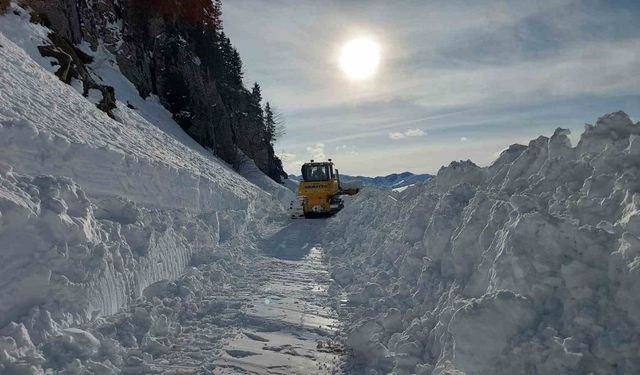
{"points": [[407, 133], [317, 151], [286, 156], [290, 161], [347, 149], [414, 133], [463, 139]]}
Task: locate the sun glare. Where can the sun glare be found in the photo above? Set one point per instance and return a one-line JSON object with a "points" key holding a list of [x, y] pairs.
{"points": [[359, 58]]}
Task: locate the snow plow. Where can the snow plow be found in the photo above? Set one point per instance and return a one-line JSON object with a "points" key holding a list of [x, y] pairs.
{"points": [[319, 191]]}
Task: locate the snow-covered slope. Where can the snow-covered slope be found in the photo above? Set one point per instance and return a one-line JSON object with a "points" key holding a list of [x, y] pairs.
{"points": [[281, 193], [95, 209], [50, 128], [531, 265]]}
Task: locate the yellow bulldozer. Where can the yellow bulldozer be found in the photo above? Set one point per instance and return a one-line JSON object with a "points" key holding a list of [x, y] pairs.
{"points": [[319, 191]]}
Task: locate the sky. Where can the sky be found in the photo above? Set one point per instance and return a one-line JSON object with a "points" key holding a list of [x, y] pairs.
{"points": [[457, 80]]}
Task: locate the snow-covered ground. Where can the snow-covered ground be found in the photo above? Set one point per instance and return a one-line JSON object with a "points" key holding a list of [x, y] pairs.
{"points": [[113, 230], [109, 177], [289, 324], [531, 265]]}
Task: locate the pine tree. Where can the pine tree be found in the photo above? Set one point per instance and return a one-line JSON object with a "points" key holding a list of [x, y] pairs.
{"points": [[269, 124], [256, 96], [235, 67], [255, 109], [224, 50], [231, 70]]}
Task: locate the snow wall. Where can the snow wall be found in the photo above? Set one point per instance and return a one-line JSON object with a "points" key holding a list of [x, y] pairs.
{"points": [[95, 209], [531, 265]]}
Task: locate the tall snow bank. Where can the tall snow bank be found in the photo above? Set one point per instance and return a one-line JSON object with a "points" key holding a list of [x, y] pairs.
{"points": [[79, 258], [49, 128], [95, 209], [531, 265], [118, 226]]}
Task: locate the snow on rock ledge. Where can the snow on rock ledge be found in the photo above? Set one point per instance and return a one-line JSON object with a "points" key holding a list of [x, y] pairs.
{"points": [[531, 265]]}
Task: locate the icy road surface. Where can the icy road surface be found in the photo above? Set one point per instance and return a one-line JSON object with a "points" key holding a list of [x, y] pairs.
{"points": [[278, 320]]}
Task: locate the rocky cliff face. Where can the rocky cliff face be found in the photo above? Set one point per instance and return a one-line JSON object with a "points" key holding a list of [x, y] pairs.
{"points": [[174, 49]]}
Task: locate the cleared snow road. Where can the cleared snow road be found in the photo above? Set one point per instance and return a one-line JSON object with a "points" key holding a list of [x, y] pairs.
{"points": [[278, 319]]}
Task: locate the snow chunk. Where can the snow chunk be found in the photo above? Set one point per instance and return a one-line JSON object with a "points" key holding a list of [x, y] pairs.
{"points": [[514, 268]]}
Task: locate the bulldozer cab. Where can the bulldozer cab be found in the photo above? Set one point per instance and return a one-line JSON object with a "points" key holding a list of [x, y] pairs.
{"points": [[319, 191], [315, 172]]}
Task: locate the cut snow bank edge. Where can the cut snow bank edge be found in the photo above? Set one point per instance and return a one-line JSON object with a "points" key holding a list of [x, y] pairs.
{"points": [[49, 128], [135, 205], [531, 265]]}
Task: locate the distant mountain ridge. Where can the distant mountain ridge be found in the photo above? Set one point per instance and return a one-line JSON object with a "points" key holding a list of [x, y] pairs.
{"points": [[394, 180]]}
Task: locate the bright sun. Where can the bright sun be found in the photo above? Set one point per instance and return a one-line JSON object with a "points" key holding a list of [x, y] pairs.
{"points": [[360, 58]]}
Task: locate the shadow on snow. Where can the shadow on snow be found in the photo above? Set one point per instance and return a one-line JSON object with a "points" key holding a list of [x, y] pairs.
{"points": [[294, 241]]}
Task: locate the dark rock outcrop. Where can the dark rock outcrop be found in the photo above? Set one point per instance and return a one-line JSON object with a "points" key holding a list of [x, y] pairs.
{"points": [[71, 63]]}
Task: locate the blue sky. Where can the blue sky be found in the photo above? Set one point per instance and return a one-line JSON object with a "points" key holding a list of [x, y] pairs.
{"points": [[457, 79]]}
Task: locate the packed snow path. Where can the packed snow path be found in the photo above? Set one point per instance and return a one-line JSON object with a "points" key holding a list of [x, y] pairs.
{"points": [[277, 319]]}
